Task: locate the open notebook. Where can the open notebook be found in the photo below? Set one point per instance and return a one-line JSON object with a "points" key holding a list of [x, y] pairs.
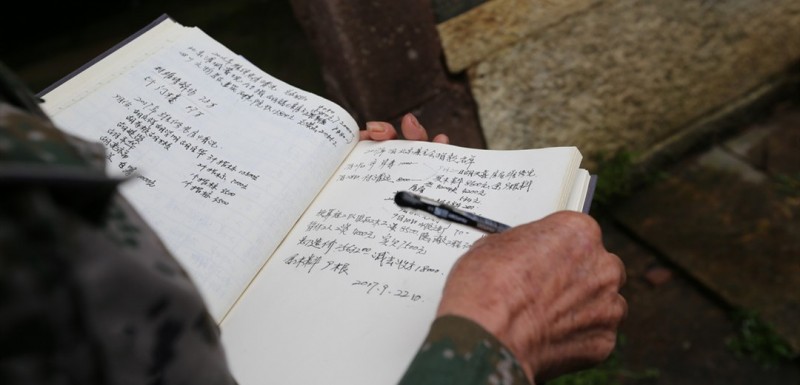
{"points": [[285, 221]]}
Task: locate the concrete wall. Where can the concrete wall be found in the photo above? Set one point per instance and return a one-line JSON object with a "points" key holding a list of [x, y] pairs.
{"points": [[639, 76]]}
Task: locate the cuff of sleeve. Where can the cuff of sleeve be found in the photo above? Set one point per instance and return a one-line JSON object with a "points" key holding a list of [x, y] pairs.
{"points": [[459, 351]]}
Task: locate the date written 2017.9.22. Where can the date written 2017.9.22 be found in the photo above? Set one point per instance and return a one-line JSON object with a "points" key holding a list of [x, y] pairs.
{"points": [[382, 289]]}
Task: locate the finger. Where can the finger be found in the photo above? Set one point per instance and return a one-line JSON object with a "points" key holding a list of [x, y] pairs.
{"points": [[379, 131], [411, 128], [624, 304], [623, 274], [441, 138]]}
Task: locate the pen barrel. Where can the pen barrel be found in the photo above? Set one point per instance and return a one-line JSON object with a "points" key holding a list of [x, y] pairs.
{"points": [[411, 200], [479, 222]]}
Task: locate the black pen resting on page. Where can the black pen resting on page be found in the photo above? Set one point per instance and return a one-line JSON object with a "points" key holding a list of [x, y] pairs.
{"points": [[440, 210]]}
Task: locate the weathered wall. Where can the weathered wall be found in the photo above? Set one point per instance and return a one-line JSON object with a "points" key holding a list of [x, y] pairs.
{"points": [[382, 59], [616, 75]]}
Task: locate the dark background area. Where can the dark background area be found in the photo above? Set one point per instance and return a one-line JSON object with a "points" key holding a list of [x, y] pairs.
{"points": [[45, 41]]}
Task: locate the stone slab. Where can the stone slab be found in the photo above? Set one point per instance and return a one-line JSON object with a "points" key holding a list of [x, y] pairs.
{"points": [[474, 35], [727, 225], [675, 328], [774, 146], [628, 75]]}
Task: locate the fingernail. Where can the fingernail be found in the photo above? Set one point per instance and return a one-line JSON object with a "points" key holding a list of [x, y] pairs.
{"points": [[375, 127], [414, 121]]}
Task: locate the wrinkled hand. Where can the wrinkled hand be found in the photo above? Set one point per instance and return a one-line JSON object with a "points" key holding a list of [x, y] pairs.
{"points": [[409, 126], [548, 290]]}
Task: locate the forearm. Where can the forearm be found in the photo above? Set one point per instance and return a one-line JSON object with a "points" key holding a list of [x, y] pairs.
{"points": [[459, 351]]}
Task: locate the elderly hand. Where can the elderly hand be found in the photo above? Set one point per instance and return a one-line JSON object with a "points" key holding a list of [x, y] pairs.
{"points": [[409, 126], [548, 290]]}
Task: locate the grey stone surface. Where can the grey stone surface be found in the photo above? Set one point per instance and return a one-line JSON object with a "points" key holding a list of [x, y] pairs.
{"points": [[777, 152], [628, 75], [472, 36], [731, 219], [676, 332]]}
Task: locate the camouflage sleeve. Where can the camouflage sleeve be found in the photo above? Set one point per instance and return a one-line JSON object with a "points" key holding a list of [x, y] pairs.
{"points": [[88, 292], [459, 351]]}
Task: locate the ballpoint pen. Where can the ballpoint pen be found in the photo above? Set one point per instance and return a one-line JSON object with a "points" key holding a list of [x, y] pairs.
{"points": [[449, 213]]}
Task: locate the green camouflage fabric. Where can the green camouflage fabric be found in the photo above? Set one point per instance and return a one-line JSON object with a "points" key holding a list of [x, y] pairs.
{"points": [[459, 351], [90, 295]]}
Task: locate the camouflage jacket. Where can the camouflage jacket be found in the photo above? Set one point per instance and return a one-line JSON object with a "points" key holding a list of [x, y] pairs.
{"points": [[90, 295]]}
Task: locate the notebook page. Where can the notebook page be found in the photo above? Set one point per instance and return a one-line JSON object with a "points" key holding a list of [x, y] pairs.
{"points": [[223, 158], [350, 294]]}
